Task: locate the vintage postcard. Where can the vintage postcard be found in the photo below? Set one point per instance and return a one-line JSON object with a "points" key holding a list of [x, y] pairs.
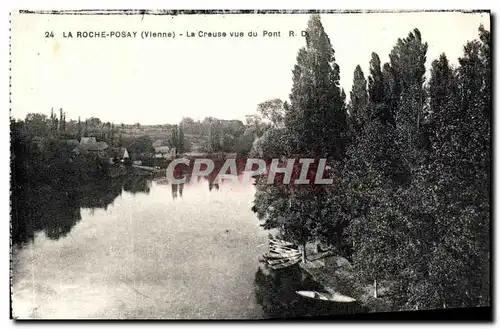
{"points": [[250, 164]]}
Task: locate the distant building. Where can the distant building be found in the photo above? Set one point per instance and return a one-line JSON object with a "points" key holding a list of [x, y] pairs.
{"points": [[91, 145], [124, 153], [164, 152], [158, 143], [88, 140], [162, 149], [118, 154]]}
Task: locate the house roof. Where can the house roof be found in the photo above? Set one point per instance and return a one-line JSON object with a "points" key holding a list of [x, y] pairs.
{"points": [[157, 143], [117, 152], [162, 149]]}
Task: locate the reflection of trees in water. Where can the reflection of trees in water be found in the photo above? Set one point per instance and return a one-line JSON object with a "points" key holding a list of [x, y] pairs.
{"points": [[58, 222], [212, 183], [275, 292], [100, 194], [175, 188], [49, 184], [55, 209], [183, 171], [138, 184]]}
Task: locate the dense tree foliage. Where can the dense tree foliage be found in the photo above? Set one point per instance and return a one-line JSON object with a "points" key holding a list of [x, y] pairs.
{"points": [[142, 145], [421, 212], [273, 111], [358, 107], [317, 113], [414, 163], [177, 139], [314, 126]]}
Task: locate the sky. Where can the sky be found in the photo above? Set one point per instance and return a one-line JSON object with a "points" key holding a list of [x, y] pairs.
{"points": [[162, 80]]}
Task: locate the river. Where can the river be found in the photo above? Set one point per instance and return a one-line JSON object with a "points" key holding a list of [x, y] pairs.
{"points": [[134, 247], [156, 251]]}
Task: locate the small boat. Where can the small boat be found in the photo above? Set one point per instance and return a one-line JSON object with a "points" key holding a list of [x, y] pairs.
{"points": [[325, 296], [272, 255], [281, 242], [277, 247], [278, 256], [284, 264], [282, 260], [282, 248], [281, 254]]}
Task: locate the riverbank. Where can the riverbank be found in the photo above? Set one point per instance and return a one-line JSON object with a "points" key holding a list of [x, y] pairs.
{"points": [[337, 275]]}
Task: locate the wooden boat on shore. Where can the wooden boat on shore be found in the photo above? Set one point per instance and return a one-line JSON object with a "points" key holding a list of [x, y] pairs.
{"points": [[284, 264], [278, 247], [282, 250], [325, 296], [281, 247], [273, 255], [283, 243], [282, 254], [276, 255], [282, 260]]}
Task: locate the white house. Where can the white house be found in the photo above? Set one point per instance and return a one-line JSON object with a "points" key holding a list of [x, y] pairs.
{"points": [[164, 152]]}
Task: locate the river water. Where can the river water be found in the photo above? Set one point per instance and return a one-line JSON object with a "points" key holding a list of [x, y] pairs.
{"points": [[134, 247], [146, 250]]}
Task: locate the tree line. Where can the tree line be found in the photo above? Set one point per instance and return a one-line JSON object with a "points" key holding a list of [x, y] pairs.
{"points": [[208, 135], [410, 160]]}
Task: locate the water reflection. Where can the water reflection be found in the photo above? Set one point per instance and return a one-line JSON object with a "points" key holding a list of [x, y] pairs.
{"points": [[175, 190], [275, 292], [212, 184], [146, 256], [137, 184], [55, 209]]}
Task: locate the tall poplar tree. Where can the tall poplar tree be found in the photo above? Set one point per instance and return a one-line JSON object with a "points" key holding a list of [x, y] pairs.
{"points": [[315, 126], [174, 137], [79, 127], [453, 261], [358, 106], [180, 143], [407, 62], [474, 170], [316, 118], [372, 167], [377, 174]]}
